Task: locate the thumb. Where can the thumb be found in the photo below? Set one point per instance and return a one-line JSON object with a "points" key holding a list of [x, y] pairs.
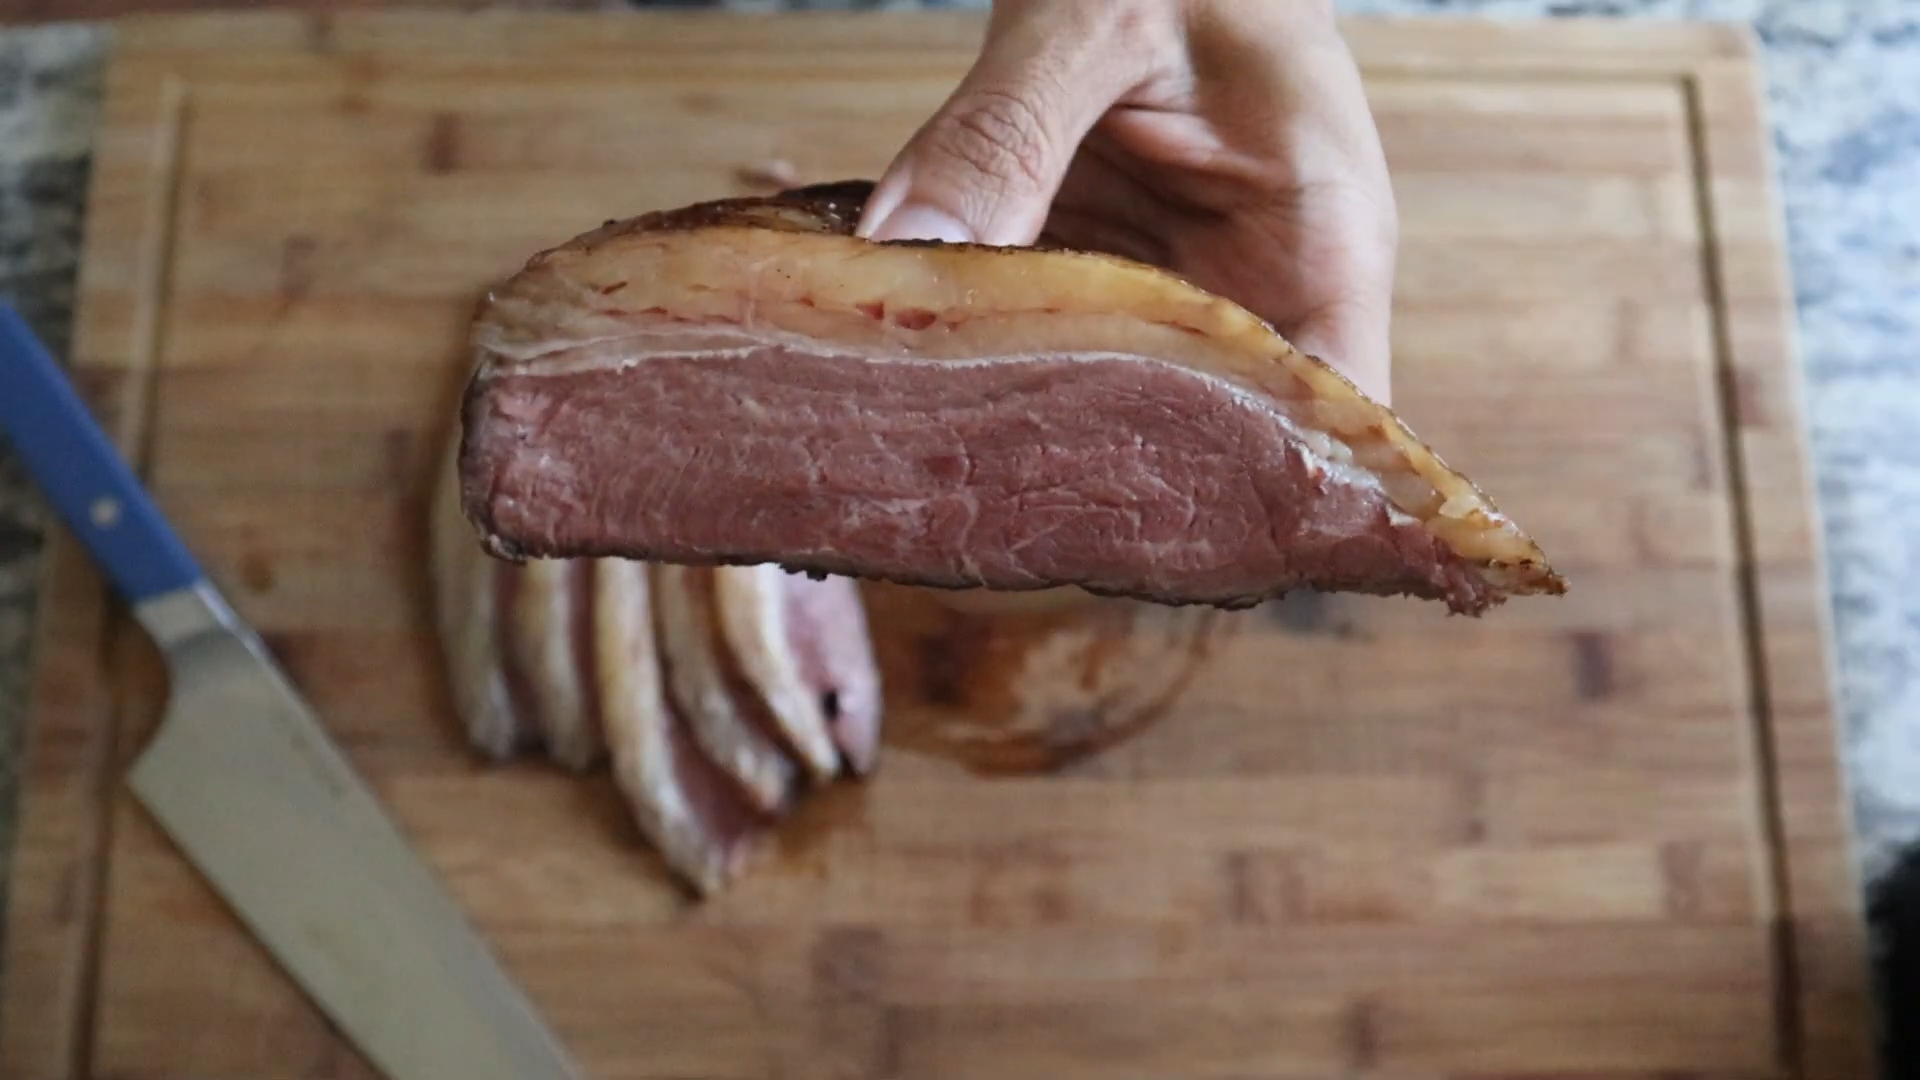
{"points": [[985, 168]]}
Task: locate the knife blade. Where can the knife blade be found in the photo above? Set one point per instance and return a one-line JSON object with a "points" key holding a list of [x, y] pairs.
{"points": [[244, 778]]}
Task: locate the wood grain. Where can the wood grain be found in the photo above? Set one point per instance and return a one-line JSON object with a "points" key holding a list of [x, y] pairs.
{"points": [[1598, 836]]}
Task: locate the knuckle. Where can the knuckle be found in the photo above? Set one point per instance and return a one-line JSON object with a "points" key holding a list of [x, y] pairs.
{"points": [[1000, 135]]}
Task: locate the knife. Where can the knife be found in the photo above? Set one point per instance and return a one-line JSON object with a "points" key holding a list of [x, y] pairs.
{"points": [[243, 777]]}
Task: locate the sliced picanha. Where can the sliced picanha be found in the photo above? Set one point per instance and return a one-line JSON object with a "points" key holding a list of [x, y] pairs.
{"points": [[744, 381], [728, 720], [694, 814]]}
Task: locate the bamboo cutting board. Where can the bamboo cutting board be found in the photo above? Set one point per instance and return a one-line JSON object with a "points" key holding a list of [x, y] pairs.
{"points": [[1601, 835]]}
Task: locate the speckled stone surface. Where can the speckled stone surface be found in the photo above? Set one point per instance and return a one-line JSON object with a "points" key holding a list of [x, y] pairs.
{"points": [[49, 104], [1845, 98]]}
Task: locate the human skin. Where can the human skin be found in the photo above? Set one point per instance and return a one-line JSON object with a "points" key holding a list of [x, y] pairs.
{"points": [[1229, 141]]}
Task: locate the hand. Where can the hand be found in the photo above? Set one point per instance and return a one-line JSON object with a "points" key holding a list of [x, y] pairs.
{"points": [[1226, 140]]}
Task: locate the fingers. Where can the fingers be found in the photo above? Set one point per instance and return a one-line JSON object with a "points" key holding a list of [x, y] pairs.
{"points": [[1355, 338], [1337, 296], [1298, 108], [1099, 207], [986, 166], [1347, 258]]}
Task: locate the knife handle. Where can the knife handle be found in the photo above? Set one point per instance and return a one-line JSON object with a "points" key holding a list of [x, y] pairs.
{"points": [[80, 472]]}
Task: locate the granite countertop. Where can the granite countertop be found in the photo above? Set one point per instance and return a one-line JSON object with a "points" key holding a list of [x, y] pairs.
{"points": [[1847, 133]]}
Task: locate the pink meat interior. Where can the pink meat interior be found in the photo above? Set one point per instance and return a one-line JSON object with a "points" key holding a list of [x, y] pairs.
{"points": [[827, 630], [1102, 470]]}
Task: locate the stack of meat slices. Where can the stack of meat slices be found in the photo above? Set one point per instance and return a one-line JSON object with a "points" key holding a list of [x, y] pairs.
{"points": [[718, 695]]}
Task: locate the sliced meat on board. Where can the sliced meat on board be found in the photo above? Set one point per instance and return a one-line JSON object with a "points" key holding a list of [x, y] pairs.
{"points": [[730, 722], [831, 648], [470, 589], [803, 645], [703, 825], [744, 381], [577, 658], [549, 619]]}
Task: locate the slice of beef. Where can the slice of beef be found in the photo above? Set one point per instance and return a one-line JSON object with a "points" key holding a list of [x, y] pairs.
{"points": [[691, 812], [468, 588], [826, 629], [751, 603], [744, 381], [803, 645], [547, 616], [730, 722]]}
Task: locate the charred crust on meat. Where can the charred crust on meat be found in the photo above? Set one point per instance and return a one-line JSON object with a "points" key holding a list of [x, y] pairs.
{"points": [[832, 207]]}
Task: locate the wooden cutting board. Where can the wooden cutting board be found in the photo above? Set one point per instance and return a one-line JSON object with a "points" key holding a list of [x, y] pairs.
{"points": [[1601, 835]]}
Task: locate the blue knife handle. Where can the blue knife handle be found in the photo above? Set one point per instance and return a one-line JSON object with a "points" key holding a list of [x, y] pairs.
{"points": [[81, 473]]}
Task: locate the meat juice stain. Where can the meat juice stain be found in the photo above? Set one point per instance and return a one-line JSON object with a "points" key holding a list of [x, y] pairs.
{"points": [[1182, 640], [944, 660], [1094, 659], [1029, 692]]}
